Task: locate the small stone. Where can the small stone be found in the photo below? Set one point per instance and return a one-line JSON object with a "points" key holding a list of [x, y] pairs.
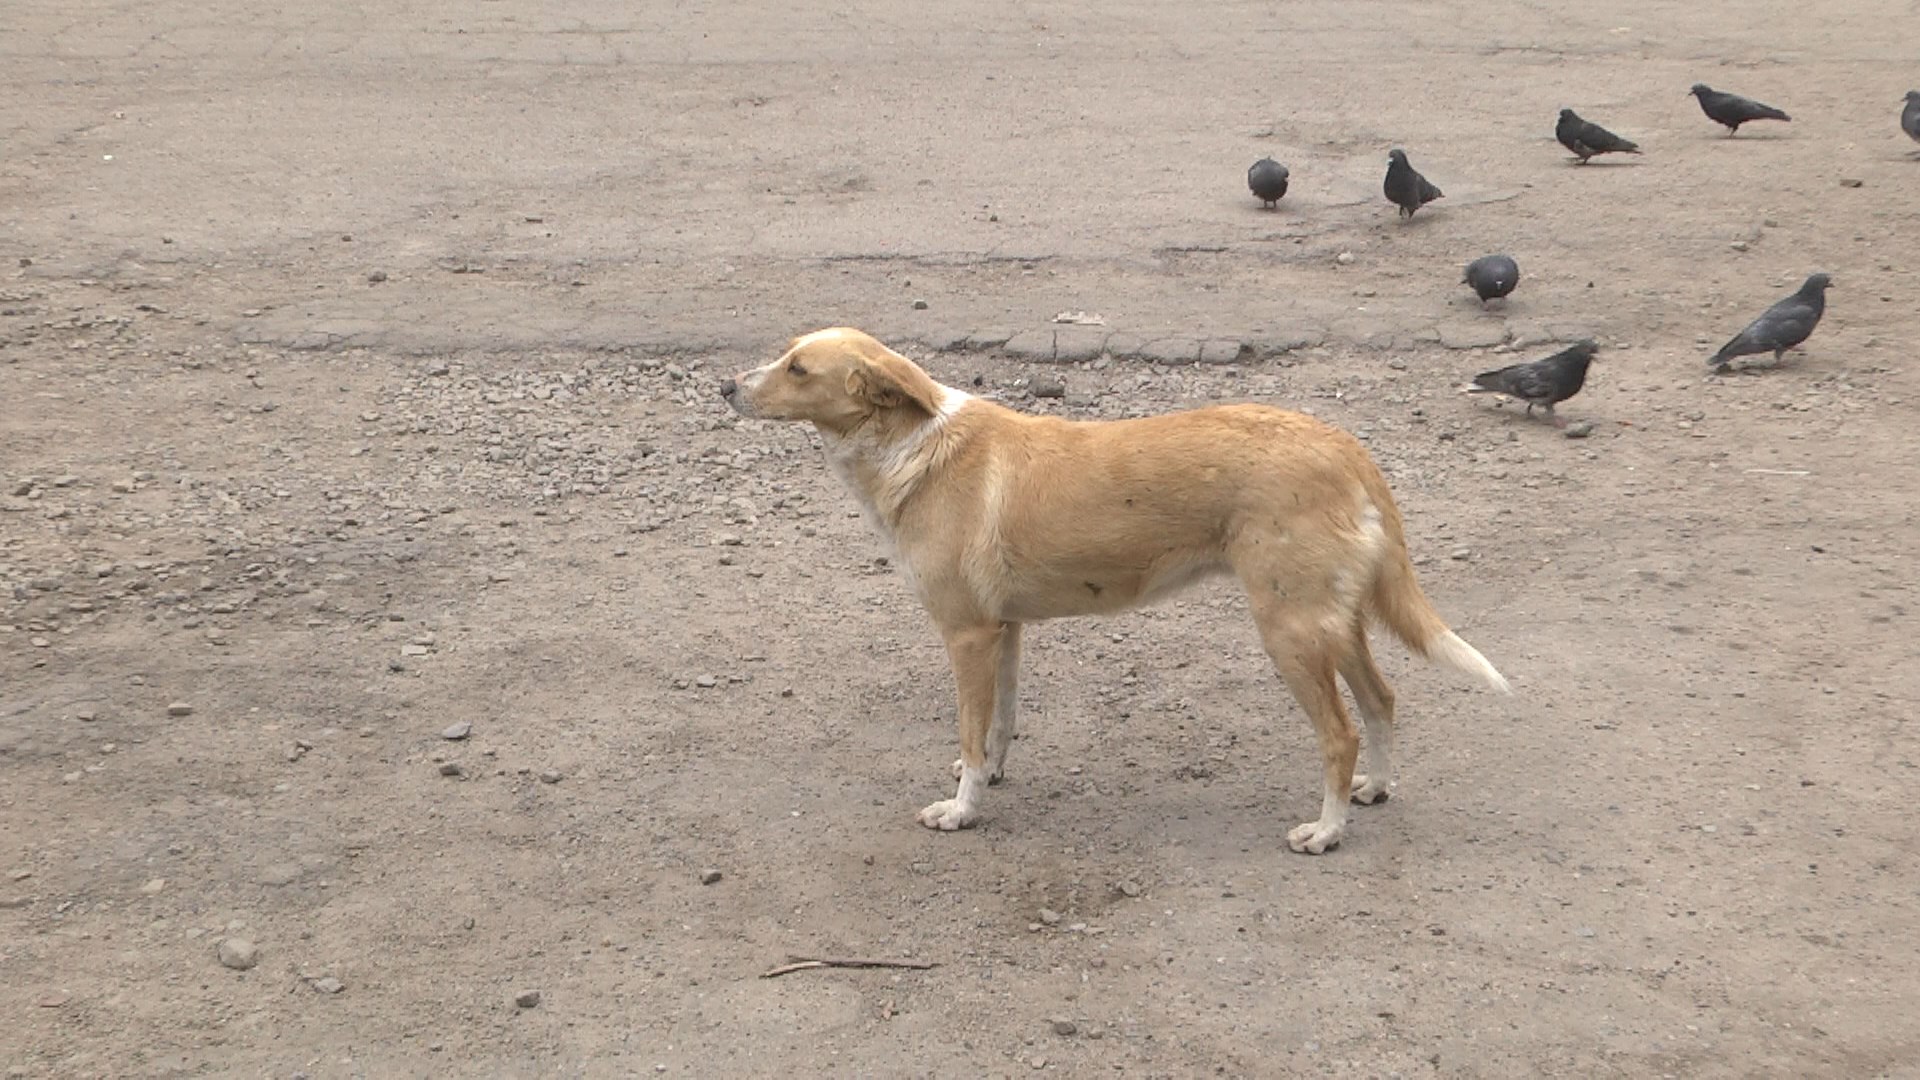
{"points": [[1579, 429], [154, 887], [1063, 1026], [39, 642], [1345, 258], [1463, 553], [919, 305], [1049, 916], [1038, 1063], [377, 276], [1851, 182], [179, 708], [327, 984], [238, 953], [19, 875], [1585, 931], [709, 877], [1129, 888], [706, 682], [1044, 387], [456, 732], [527, 999], [551, 776], [451, 768], [414, 650], [1739, 245]]}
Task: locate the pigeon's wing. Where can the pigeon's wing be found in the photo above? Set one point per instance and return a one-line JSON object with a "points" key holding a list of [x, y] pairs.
{"points": [[1428, 192], [1603, 140], [1528, 382], [1786, 324]]}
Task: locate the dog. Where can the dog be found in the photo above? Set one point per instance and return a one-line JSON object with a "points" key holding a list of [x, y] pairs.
{"points": [[998, 518]]}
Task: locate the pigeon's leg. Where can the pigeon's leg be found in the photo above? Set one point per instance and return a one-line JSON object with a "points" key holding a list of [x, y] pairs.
{"points": [[975, 651], [1295, 637], [1529, 408], [1006, 701], [1375, 698]]}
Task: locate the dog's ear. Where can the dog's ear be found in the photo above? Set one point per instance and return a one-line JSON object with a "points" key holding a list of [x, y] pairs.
{"points": [[886, 380]]}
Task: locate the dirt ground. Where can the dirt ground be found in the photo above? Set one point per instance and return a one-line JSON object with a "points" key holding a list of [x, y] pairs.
{"points": [[357, 380]]}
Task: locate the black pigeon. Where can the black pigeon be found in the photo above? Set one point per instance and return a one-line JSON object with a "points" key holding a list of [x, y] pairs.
{"points": [[1492, 276], [1267, 179], [1405, 187], [1784, 325], [1542, 382], [1732, 109], [1910, 116], [1587, 139]]}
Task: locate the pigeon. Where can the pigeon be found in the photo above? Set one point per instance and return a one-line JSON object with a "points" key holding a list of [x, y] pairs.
{"points": [[1405, 187], [1267, 179], [1732, 109], [1587, 139], [1784, 325], [1910, 116], [1541, 382], [1492, 276]]}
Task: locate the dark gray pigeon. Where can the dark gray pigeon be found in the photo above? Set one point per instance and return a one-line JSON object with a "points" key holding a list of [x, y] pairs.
{"points": [[1732, 109], [1910, 116], [1784, 325], [1586, 139], [1405, 187], [1267, 179], [1492, 276], [1545, 382]]}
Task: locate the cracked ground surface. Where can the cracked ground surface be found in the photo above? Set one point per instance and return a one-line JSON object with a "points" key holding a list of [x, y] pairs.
{"points": [[357, 380]]}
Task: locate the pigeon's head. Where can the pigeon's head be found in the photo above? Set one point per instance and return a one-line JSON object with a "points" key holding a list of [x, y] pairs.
{"points": [[1913, 95], [1567, 114], [1818, 283], [1397, 156], [1585, 350], [1700, 89]]}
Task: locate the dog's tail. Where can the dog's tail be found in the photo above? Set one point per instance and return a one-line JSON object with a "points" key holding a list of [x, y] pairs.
{"points": [[1398, 602]]}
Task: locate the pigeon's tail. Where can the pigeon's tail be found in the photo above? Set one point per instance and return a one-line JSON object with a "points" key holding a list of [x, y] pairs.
{"points": [[1485, 384], [1768, 112], [1397, 601]]}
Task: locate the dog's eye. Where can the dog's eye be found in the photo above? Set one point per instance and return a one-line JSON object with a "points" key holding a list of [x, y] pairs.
{"points": [[794, 368]]}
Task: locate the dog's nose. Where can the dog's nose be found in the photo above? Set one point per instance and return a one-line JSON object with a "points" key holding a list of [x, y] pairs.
{"points": [[728, 389]]}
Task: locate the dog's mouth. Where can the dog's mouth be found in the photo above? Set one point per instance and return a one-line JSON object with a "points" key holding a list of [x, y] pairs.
{"points": [[735, 393]]}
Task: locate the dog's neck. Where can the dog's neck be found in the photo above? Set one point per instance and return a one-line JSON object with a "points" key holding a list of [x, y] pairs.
{"points": [[882, 458]]}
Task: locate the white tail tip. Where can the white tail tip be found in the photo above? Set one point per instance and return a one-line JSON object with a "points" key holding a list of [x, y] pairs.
{"points": [[1448, 650]]}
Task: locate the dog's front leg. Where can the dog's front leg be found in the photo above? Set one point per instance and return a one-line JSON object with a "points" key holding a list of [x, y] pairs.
{"points": [[976, 653]]}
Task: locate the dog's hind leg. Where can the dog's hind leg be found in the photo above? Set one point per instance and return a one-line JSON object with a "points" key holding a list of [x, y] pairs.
{"points": [[977, 653], [1375, 698], [1307, 654], [1006, 704]]}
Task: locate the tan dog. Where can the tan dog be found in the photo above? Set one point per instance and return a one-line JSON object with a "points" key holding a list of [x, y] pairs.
{"points": [[999, 518]]}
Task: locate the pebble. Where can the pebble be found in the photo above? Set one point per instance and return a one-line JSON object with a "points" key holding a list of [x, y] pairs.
{"points": [[456, 732], [39, 642], [1739, 245], [154, 886], [527, 999], [709, 877], [238, 953], [1063, 1026], [1851, 182], [1129, 888], [1049, 916], [551, 776], [706, 682], [1579, 429], [327, 984], [1044, 387], [451, 768], [919, 305], [1345, 258], [179, 708], [1463, 553], [377, 276]]}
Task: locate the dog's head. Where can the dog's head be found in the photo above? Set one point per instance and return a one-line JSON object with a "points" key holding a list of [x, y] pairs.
{"points": [[836, 379]]}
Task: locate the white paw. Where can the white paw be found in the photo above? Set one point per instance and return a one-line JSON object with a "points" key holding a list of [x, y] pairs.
{"points": [[1315, 837], [948, 815], [994, 773], [1367, 792]]}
